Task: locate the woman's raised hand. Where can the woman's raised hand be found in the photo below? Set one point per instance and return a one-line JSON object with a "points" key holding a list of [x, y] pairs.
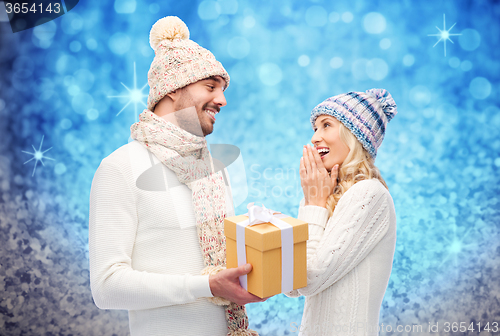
{"points": [[316, 182]]}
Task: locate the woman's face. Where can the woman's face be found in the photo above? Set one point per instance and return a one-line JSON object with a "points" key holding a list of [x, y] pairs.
{"points": [[327, 141]]}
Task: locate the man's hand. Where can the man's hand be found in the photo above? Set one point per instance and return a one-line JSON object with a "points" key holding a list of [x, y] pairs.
{"points": [[226, 284]]}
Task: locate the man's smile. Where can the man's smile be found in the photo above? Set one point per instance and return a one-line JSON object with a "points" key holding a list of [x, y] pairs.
{"points": [[211, 113]]}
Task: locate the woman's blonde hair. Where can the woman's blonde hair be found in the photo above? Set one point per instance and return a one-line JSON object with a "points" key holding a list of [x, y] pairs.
{"points": [[357, 166]]}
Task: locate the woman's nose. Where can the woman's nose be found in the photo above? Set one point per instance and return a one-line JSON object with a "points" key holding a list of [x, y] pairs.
{"points": [[315, 138]]}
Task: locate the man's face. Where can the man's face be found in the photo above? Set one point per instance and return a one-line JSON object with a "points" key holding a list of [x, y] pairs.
{"points": [[207, 97]]}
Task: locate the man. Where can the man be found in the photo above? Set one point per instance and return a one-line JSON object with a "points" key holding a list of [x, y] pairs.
{"points": [[155, 201]]}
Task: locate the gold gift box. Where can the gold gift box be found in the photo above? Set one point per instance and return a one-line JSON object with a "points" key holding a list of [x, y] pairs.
{"points": [[263, 251]]}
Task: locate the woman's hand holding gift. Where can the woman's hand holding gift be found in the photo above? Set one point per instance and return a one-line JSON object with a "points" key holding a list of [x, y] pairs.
{"points": [[317, 183]]}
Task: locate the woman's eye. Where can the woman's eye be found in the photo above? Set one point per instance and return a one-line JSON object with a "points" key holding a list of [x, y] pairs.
{"points": [[326, 124]]}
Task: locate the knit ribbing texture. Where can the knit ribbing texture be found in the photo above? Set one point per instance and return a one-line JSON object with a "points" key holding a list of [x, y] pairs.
{"points": [[349, 260]]}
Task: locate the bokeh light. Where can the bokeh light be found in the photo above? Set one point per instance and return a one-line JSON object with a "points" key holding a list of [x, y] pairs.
{"points": [[377, 69], [270, 74], [336, 62], [316, 16], [347, 17], [303, 60], [238, 47], [209, 10], [408, 60], [374, 23], [119, 43], [470, 39], [480, 88], [125, 6]]}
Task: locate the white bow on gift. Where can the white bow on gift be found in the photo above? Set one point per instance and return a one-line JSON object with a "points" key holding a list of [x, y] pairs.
{"points": [[258, 215]]}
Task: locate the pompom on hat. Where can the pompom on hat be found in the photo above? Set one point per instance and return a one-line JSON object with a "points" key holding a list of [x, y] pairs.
{"points": [[365, 114], [178, 60]]}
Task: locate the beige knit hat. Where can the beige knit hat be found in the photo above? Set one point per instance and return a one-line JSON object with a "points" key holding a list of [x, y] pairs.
{"points": [[178, 60]]}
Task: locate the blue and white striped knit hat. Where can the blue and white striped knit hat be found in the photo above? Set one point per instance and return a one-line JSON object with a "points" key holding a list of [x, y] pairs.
{"points": [[365, 114]]}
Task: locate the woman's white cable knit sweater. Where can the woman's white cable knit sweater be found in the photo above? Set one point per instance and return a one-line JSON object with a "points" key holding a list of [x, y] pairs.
{"points": [[349, 262]]}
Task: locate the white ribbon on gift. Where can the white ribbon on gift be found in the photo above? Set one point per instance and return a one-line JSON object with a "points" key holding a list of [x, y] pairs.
{"points": [[258, 215]]}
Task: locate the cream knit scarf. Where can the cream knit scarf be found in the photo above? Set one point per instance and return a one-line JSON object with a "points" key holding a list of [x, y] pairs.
{"points": [[188, 156]]}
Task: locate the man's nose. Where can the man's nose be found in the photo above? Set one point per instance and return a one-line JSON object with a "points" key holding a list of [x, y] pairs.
{"points": [[220, 99]]}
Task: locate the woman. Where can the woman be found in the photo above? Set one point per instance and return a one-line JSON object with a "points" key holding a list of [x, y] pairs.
{"points": [[352, 223]]}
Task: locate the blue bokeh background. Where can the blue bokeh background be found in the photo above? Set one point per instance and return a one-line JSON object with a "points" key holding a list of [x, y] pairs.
{"points": [[72, 81]]}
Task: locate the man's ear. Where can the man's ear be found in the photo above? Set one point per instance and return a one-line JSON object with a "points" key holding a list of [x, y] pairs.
{"points": [[173, 95]]}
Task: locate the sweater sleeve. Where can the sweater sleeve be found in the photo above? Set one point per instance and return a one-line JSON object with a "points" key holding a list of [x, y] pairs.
{"points": [[316, 217], [112, 230], [337, 245]]}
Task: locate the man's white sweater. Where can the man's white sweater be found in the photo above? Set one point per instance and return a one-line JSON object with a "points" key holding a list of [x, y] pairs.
{"points": [[143, 248], [349, 262]]}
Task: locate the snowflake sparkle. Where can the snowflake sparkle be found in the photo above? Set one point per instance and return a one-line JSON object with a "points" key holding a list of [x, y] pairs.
{"points": [[444, 35], [134, 95], [455, 247], [38, 155]]}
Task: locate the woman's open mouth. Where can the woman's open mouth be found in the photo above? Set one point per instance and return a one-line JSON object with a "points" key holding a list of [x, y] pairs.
{"points": [[323, 151]]}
